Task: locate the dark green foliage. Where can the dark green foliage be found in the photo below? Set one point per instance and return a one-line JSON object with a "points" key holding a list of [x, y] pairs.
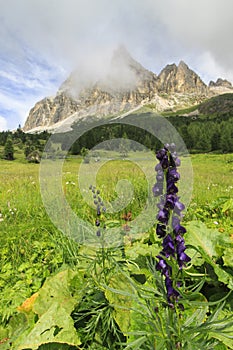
{"points": [[9, 149]]}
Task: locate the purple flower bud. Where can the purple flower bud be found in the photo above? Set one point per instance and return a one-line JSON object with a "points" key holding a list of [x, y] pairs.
{"points": [[98, 233], [163, 266], [157, 189], [163, 215], [161, 230], [168, 246], [160, 177], [179, 207], [171, 292], [177, 228], [173, 175], [164, 162], [161, 154], [177, 161], [97, 222], [171, 187], [183, 259], [171, 200], [158, 167]]}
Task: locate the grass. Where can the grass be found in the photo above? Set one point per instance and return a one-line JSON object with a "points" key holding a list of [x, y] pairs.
{"points": [[32, 247], [23, 210]]}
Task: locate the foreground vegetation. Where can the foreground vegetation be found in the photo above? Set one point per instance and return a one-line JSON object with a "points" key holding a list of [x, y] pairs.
{"points": [[97, 298]]}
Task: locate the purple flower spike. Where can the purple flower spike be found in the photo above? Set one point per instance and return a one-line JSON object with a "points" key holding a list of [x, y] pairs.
{"points": [[169, 207]]}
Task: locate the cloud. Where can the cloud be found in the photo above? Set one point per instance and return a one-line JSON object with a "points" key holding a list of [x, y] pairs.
{"points": [[3, 123], [42, 41]]}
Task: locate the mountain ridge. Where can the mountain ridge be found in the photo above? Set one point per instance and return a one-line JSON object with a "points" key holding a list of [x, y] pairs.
{"points": [[125, 85]]}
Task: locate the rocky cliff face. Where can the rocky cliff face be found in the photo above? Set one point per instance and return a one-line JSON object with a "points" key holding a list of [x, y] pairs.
{"points": [[180, 79], [125, 86]]}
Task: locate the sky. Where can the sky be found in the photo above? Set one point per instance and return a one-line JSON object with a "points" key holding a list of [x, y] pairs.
{"points": [[42, 41]]}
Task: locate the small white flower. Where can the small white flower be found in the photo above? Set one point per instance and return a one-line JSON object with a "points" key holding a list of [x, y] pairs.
{"points": [[67, 183], [1, 219], [216, 222]]}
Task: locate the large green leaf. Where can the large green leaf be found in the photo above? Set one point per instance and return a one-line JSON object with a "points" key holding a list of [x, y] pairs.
{"points": [[222, 275], [55, 325], [54, 305], [56, 289], [210, 240], [211, 245]]}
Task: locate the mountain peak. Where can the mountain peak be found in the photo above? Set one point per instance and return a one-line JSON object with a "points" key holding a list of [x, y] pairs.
{"points": [[183, 65], [180, 79], [120, 85]]}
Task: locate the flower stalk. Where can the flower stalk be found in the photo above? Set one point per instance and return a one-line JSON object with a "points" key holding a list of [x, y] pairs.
{"points": [[172, 257]]}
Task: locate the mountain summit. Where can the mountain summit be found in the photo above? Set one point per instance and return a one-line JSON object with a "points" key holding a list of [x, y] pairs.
{"points": [[180, 79], [123, 85]]}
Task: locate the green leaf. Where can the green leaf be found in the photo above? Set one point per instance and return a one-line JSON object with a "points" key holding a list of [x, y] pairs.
{"points": [[228, 257], [195, 314], [53, 305], [199, 235], [55, 325], [223, 276], [56, 289], [120, 293]]}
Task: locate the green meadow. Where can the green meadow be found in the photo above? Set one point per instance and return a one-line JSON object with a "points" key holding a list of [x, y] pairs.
{"points": [[33, 249]]}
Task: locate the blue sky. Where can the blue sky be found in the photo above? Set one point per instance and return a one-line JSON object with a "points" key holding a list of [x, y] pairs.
{"points": [[42, 41]]}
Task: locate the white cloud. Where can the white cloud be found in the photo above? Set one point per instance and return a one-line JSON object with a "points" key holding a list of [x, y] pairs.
{"points": [[3, 123], [42, 41]]}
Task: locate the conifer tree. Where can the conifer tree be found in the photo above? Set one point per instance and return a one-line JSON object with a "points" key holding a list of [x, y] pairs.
{"points": [[9, 149]]}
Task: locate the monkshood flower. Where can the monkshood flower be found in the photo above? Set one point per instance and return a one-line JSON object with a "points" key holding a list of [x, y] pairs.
{"points": [[100, 208], [169, 217]]}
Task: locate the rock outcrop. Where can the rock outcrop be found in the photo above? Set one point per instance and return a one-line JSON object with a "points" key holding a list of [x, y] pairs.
{"points": [[221, 83]]}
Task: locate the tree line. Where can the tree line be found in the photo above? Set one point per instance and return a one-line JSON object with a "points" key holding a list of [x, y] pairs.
{"points": [[199, 134]]}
